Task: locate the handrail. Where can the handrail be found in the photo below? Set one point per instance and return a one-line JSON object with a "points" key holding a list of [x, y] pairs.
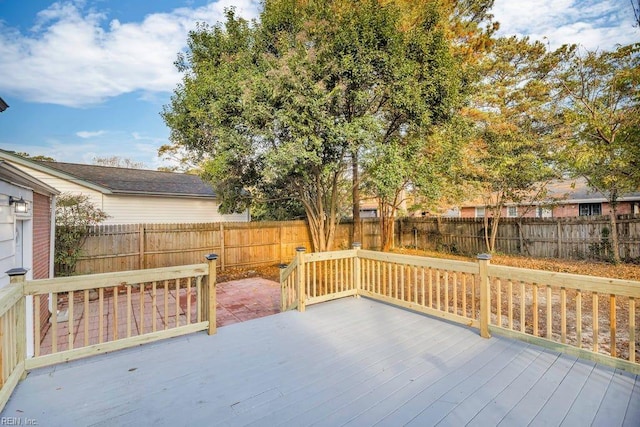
{"points": [[488, 297]]}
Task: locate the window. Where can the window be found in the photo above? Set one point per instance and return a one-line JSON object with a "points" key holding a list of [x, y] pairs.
{"points": [[590, 209], [512, 211], [543, 212], [480, 212]]}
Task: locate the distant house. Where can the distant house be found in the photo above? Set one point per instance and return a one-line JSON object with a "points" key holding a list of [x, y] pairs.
{"points": [[132, 196], [27, 227], [3, 105], [567, 198]]}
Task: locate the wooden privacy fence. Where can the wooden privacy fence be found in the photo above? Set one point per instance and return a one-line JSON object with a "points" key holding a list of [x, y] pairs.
{"points": [[590, 317], [104, 312], [130, 247], [567, 238]]}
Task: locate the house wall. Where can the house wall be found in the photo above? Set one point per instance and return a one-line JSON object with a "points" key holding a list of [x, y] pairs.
{"points": [[8, 235], [164, 210], [559, 211], [129, 209]]}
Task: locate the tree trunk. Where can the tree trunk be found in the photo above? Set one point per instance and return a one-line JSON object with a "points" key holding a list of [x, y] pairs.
{"points": [[355, 192]]}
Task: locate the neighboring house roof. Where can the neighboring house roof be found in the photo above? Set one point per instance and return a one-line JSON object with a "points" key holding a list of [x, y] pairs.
{"points": [[15, 176], [112, 180], [563, 192], [3, 105]]}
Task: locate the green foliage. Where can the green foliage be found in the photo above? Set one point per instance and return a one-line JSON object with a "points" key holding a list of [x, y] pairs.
{"points": [[600, 93], [74, 214], [516, 128], [283, 103]]}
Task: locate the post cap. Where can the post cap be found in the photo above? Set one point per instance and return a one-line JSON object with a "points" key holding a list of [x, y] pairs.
{"points": [[18, 271], [282, 265], [484, 257], [301, 249], [356, 245], [211, 257]]}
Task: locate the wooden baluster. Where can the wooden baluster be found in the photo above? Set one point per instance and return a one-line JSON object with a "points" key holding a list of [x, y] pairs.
{"points": [[498, 302], [437, 289], [510, 299], [86, 318], [446, 291], [415, 284], [549, 313], [612, 323], [129, 310], [579, 318], [154, 303], [464, 295], [54, 323], [632, 329], [523, 307], [37, 327], [142, 305], [115, 312], [100, 315], [422, 283], [166, 305], [177, 302], [534, 307], [198, 298], [563, 315], [70, 325], [189, 300], [594, 317], [455, 293]]}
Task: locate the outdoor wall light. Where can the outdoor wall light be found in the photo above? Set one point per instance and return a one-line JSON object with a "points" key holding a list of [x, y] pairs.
{"points": [[21, 205]]}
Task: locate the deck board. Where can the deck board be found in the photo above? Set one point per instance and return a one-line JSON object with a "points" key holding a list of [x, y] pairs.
{"points": [[348, 362]]}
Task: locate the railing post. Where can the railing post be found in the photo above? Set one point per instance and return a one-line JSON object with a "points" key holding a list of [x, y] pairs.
{"points": [[17, 278], [485, 295], [283, 297], [356, 269], [300, 278], [210, 302]]}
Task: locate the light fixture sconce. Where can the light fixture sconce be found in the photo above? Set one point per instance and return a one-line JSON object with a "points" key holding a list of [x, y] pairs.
{"points": [[20, 204]]}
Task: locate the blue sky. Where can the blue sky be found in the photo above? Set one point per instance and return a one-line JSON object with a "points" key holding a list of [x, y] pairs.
{"points": [[88, 78]]}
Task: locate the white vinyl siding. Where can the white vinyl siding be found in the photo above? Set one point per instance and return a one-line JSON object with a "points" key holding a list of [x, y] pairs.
{"points": [[133, 209], [164, 210]]}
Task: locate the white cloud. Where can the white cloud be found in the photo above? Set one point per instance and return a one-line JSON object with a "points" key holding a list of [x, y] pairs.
{"points": [[86, 134], [594, 24], [71, 59]]}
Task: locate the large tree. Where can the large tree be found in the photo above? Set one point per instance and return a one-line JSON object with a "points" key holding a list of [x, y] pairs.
{"points": [[288, 102], [601, 100], [516, 126]]}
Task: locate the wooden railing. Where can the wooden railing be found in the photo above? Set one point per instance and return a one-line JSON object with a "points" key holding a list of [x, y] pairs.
{"points": [[13, 335], [590, 317], [98, 313]]}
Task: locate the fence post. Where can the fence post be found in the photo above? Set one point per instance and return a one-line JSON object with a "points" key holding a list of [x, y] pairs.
{"points": [[300, 278], [485, 295], [210, 302], [17, 278], [356, 268]]}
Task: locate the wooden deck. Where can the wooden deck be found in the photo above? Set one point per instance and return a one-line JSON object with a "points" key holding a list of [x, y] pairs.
{"points": [[346, 362]]}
